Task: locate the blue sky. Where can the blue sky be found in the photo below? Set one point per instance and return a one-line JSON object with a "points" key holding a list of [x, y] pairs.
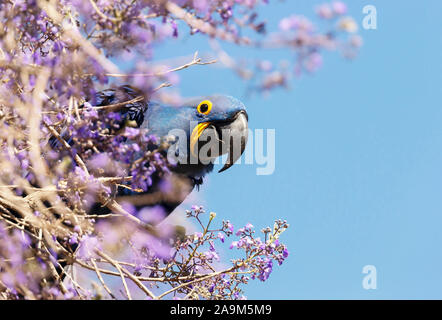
{"points": [[358, 159]]}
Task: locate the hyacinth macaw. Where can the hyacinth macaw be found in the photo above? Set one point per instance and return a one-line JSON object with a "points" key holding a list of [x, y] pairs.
{"points": [[222, 118]]}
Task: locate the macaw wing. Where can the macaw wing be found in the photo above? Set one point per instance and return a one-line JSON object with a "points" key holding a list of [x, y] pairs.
{"points": [[133, 111]]}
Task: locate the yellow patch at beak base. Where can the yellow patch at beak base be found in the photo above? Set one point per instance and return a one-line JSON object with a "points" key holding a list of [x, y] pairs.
{"points": [[196, 133]]}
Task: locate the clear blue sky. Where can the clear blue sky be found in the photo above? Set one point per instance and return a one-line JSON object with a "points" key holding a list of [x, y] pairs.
{"points": [[358, 159]]}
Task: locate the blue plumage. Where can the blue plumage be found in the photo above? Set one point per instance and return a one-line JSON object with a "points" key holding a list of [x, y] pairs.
{"points": [[216, 115]]}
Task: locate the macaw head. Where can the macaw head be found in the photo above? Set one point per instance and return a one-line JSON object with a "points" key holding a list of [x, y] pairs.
{"points": [[213, 126]]}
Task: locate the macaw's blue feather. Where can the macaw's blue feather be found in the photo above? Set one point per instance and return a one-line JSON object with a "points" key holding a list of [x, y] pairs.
{"points": [[130, 111]]}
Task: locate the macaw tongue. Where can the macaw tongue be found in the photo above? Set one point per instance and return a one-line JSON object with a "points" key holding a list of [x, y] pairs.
{"points": [[234, 137]]}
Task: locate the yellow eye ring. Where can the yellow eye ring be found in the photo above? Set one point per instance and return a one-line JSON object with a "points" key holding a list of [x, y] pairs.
{"points": [[204, 107]]}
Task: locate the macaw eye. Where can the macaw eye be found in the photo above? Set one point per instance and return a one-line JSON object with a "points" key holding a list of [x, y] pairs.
{"points": [[204, 107]]}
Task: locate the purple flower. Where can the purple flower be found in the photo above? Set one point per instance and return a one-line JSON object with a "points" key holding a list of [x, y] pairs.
{"points": [[266, 268], [174, 28], [58, 46], [285, 253], [198, 235], [201, 6], [234, 244], [131, 133], [152, 215], [248, 226], [211, 255], [325, 11], [87, 246], [129, 207], [339, 7], [313, 62], [289, 23], [100, 160], [73, 239]]}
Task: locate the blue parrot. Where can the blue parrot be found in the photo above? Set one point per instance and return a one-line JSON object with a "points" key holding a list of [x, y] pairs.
{"points": [[198, 131]]}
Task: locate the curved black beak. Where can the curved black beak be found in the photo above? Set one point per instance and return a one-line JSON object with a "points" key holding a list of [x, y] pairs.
{"points": [[234, 137]]}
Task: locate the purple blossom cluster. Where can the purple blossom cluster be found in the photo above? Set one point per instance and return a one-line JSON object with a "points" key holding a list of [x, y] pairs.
{"points": [[23, 268], [112, 149], [308, 42], [190, 264], [262, 253]]}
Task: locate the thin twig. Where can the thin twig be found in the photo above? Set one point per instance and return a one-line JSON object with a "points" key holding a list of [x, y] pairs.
{"points": [[67, 146], [97, 271], [130, 275], [195, 61], [101, 14], [118, 106], [185, 284], [117, 266], [203, 26]]}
